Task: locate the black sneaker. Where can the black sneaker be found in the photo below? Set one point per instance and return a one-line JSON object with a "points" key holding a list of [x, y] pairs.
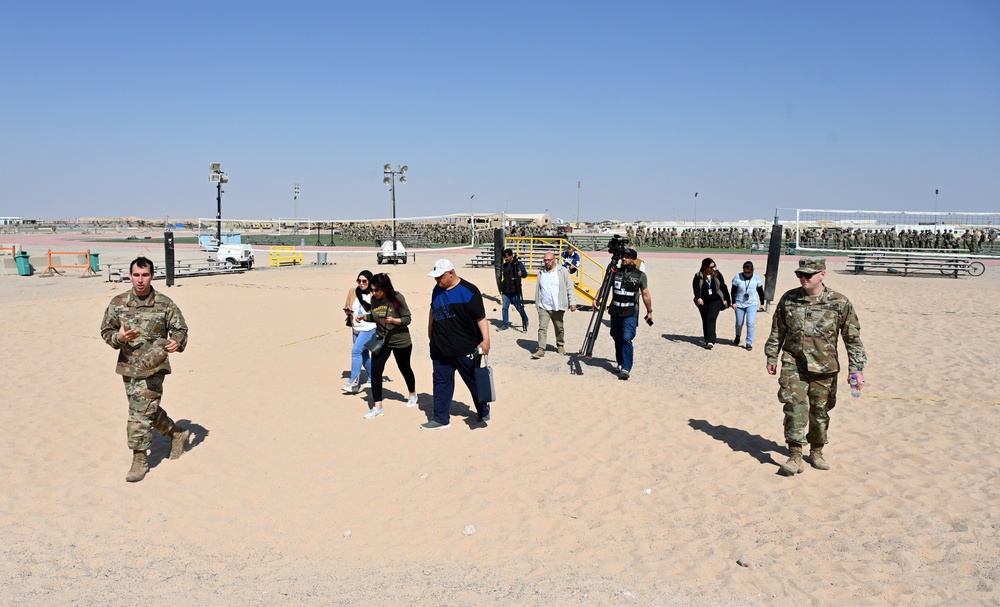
{"points": [[623, 375], [736, 341], [433, 425], [749, 347], [525, 326]]}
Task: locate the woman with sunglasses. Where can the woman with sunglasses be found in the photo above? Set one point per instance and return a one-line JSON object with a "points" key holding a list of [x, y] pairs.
{"points": [[748, 293], [711, 295], [391, 316], [358, 304]]}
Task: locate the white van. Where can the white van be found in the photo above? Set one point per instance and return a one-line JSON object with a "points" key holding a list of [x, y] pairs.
{"points": [[233, 255]]}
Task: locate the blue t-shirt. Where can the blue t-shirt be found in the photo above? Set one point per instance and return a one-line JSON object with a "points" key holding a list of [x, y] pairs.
{"points": [[745, 290], [456, 313]]}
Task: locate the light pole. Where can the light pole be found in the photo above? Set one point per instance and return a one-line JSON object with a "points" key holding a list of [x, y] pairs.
{"points": [[295, 201], [218, 177], [696, 210], [935, 200], [389, 178], [578, 205]]}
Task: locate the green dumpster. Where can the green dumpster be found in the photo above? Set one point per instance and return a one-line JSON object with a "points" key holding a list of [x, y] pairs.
{"points": [[95, 265], [23, 265]]}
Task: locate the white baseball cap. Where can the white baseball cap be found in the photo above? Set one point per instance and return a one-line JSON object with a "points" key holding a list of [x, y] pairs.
{"points": [[440, 267]]}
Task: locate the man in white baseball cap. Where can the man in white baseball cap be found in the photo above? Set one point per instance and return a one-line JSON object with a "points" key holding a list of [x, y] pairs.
{"points": [[456, 328]]}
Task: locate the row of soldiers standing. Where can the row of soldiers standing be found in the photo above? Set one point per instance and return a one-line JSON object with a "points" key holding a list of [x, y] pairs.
{"points": [[972, 241]]}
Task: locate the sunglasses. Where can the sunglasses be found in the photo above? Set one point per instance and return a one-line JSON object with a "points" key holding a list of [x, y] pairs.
{"points": [[804, 274], [362, 281]]}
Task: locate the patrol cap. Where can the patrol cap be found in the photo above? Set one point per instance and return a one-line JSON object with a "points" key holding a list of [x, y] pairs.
{"points": [[440, 267], [812, 265], [630, 253]]}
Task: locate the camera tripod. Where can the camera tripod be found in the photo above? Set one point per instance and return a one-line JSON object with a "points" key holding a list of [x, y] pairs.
{"points": [[600, 303]]}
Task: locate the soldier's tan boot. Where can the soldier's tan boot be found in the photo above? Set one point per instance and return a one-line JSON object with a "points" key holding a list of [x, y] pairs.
{"points": [[139, 467], [816, 457], [178, 438], [794, 464]]}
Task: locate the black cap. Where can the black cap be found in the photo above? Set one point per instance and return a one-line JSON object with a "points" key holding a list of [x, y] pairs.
{"points": [[630, 253]]}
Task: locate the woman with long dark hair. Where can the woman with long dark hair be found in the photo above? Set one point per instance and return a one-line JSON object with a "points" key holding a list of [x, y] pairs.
{"points": [[359, 303], [711, 295], [391, 316]]}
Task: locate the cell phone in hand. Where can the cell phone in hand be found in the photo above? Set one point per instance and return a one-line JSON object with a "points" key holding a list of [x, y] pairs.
{"points": [[649, 321]]}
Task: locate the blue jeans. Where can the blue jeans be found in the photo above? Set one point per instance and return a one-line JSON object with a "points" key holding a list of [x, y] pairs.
{"points": [[516, 300], [444, 385], [360, 357], [750, 315], [623, 332]]}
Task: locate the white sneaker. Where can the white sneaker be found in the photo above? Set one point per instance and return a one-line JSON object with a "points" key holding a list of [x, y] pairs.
{"points": [[349, 389], [374, 413], [411, 401]]}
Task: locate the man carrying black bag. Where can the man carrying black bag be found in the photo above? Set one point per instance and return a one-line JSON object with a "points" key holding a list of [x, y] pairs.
{"points": [[458, 331]]}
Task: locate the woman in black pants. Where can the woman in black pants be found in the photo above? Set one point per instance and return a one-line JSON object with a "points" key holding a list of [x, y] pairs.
{"points": [[392, 318], [711, 295]]}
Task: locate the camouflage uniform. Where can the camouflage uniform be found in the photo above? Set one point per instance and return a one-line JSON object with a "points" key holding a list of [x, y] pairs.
{"points": [[143, 362], [804, 331]]}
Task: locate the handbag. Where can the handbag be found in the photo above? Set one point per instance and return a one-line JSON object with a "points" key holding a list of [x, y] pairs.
{"points": [[375, 344], [486, 391]]}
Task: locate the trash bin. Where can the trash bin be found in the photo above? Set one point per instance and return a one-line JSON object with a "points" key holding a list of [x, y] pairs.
{"points": [[791, 249], [23, 265], [321, 258], [95, 265]]}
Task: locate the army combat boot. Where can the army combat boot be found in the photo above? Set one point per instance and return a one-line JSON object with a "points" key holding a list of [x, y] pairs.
{"points": [[139, 467], [794, 464], [816, 457], [178, 438]]}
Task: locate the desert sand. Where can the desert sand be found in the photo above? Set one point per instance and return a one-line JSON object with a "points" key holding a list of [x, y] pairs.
{"points": [[286, 496]]}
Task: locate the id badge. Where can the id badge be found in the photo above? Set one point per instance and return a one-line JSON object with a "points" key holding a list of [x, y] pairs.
{"points": [[618, 285], [710, 290]]}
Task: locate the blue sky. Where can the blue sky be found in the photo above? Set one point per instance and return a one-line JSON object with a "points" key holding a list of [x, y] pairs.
{"points": [[112, 109]]}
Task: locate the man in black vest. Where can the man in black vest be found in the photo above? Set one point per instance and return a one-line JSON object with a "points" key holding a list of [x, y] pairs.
{"points": [[628, 284]]}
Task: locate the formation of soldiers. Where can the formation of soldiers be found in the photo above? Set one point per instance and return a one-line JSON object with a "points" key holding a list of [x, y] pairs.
{"points": [[973, 241], [698, 238]]}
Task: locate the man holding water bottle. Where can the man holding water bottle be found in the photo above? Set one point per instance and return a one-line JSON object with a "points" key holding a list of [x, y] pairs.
{"points": [[807, 321]]}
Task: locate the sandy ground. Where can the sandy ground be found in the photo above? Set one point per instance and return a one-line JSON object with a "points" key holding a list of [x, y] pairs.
{"points": [[286, 496]]}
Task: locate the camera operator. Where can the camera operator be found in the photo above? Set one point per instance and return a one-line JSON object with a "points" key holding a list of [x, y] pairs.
{"points": [[629, 283]]}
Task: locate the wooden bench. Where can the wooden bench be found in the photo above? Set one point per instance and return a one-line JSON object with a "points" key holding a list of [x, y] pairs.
{"points": [[906, 264]]}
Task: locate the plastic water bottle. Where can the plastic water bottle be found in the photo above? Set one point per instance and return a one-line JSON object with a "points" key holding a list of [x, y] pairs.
{"points": [[855, 388]]}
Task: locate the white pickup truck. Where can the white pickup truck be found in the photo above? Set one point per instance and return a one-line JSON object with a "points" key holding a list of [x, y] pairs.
{"points": [[233, 255]]}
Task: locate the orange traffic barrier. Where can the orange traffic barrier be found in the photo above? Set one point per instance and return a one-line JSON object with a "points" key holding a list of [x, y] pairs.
{"points": [[51, 270]]}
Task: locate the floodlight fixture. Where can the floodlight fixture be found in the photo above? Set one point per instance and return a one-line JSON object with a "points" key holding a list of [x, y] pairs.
{"points": [[218, 177], [389, 179]]}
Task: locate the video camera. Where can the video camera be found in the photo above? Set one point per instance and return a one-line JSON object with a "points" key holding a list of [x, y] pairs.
{"points": [[617, 246]]}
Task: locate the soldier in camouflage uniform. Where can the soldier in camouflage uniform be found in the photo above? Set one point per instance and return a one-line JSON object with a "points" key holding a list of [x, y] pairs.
{"points": [[145, 326], [804, 332]]}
